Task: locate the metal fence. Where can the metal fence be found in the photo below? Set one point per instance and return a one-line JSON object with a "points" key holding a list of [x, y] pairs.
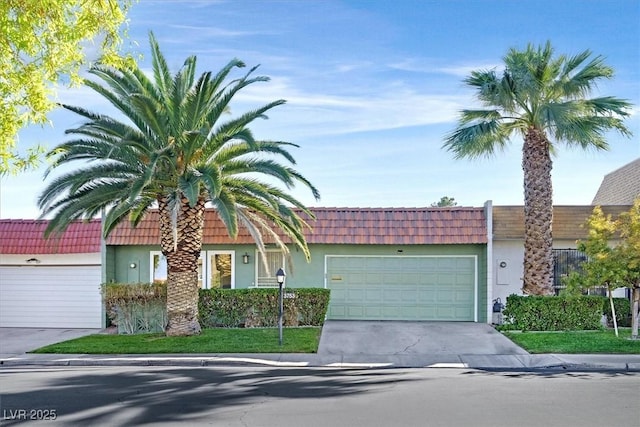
{"points": [[564, 262], [567, 260]]}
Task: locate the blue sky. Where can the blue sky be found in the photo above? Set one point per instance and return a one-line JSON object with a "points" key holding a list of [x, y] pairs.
{"points": [[372, 88]]}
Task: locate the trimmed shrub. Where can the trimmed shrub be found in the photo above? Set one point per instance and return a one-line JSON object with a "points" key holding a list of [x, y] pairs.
{"points": [[553, 313], [623, 311], [312, 305], [141, 307], [136, 308], [234, 308]]}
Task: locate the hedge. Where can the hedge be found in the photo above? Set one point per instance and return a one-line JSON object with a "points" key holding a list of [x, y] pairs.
{"points": [[233, 308], [141, 307], [136, 307], [623, 311], [553, 313]]}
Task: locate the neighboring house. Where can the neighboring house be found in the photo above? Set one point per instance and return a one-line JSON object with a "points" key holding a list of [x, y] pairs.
{"points": [[385, 264], [620, 187], [50, 283], [507, 244]]}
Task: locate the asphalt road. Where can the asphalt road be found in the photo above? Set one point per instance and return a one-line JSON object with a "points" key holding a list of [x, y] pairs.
{"points": [[251, 396]]}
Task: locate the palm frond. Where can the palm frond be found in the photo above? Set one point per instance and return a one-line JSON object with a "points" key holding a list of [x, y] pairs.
{"points": [[480, 139], [174, 148]]}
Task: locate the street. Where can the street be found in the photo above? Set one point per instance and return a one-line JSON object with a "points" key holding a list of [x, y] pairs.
{"points": [[286, 397]]}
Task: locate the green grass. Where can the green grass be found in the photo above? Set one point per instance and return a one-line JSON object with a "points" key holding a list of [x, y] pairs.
{"points": [[250, 340], [576, 342]]}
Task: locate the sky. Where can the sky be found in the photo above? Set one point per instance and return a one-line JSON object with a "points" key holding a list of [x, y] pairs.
{"points": [[374, 86]]}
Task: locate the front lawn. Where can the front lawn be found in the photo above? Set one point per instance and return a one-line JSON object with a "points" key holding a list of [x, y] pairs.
{"points": [[576, 342], [237, 340]]}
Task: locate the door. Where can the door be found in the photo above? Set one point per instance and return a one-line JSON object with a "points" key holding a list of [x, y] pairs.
{"points": [[402, 287], [50, 296]]}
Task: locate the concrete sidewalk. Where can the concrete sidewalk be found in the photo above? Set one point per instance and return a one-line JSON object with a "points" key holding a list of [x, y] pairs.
{"points": [[342, 345]]}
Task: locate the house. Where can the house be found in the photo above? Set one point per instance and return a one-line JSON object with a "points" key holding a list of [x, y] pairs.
{"points": [[620, 187], [380, 263], [507, 243], [50, 283]]}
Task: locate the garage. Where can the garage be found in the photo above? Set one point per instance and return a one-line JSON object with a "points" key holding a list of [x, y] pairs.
{"points": [[50, 296], [441, 288], [50, 283]]}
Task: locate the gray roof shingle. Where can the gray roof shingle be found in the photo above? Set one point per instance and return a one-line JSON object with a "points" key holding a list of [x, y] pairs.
{"points": [[620, 187]]}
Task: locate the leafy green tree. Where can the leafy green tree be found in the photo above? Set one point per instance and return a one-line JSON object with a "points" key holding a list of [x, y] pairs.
{"points": [[629, 251], [608, 265], [603, 267], [544, 99], [177, 152], [444, 202], [41, 44]]}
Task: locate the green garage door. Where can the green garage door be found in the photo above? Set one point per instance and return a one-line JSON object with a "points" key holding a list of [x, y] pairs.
{"points": [[402, 287]]}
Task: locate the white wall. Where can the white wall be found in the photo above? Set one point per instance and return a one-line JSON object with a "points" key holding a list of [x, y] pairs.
{"points": [[508, 280], [51, 259]]}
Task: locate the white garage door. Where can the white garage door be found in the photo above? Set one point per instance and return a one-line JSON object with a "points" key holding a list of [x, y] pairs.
{"points": [[402, 287], [50, 297]]}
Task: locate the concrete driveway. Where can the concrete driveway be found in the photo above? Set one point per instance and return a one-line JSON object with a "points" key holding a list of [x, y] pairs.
{"points": [[408, 343], [17, 341], [348, 343]]}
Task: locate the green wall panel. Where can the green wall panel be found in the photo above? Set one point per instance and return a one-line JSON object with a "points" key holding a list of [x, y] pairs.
{"points": [[312, 274]]}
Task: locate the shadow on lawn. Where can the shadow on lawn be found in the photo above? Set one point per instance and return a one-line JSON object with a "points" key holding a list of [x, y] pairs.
{"points": [[174, 395]]}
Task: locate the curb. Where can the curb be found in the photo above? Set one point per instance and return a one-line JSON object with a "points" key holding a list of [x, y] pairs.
{"points": [[334, 363]]}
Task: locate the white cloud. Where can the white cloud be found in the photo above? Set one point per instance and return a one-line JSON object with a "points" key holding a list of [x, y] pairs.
{"points": [[465, 70], [427, 66], [310, 113], [207, 31]]}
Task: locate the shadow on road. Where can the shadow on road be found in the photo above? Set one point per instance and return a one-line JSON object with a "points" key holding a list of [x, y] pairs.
{"points": [[548, 373], [96, 396]]}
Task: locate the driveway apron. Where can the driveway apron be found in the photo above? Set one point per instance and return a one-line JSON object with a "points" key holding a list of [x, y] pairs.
{"points": [[399, 338], [17, 341]]}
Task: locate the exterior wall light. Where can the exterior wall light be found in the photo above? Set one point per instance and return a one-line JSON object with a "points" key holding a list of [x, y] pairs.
{"points": [[133, 265], [245, 258]]}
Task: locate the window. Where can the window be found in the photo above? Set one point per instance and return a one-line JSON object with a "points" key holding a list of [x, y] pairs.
{"points": [[564, 262], [158, 268], [266, 277], [220, 270]]}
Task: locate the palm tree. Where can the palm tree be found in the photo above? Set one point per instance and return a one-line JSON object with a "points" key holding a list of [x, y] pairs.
{"points": [[175, 152], [544, 98]]}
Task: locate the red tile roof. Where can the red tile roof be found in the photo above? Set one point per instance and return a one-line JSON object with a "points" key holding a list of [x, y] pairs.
{"points": [[22, 236], [374, 226]]}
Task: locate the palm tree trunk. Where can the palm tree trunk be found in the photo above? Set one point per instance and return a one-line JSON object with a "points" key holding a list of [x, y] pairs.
{"points": [[538, 214], [181, 242]]}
